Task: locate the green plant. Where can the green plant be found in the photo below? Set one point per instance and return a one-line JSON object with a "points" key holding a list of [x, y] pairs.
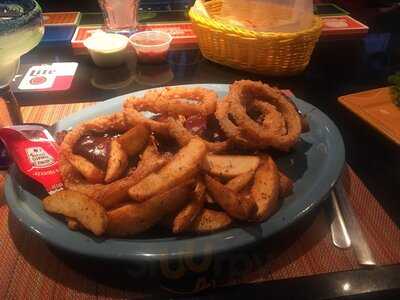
{"points": [[395, 81]]}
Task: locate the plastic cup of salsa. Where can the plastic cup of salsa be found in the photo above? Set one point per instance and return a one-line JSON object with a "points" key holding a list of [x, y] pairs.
{"points": [[151, 46]]}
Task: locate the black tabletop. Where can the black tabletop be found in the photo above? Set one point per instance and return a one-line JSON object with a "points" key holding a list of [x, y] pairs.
{"points": [[337, 67]]}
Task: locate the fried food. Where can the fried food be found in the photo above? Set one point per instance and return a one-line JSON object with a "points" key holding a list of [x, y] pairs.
{"points": [[183, 136], [242, 93], [109, 195], [73, 224], [184, 165], [177, 101], [188, 214], [229, 166], [126, 173], [86, 211], [169, 102], [232, 131], [265, 190], [285, 185], [134, 140], [117, 162], [209, 221], [91, 172], [134, 218], [270, 117], [236, 205], [134, 117], [239, 182]]}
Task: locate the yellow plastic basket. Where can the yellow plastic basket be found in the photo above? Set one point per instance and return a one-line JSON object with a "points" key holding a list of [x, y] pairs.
{"points": [[269, 53]]}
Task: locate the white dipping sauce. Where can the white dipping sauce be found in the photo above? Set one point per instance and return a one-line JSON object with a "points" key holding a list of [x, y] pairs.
{"points": [[107, 49]]}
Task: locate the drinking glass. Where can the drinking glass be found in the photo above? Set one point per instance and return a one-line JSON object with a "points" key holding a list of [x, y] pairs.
{"points": [[120, 15], [21, 29]]}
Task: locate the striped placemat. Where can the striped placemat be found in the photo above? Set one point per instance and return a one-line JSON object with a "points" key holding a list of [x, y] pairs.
{"points": [[30, 269], [49, 114]]}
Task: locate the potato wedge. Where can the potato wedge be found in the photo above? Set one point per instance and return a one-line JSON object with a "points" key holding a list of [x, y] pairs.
{"points": [[117, 162], [265, 190], [91, 173], [134, 218], [150, 152], [86, 211], [239, 182], [235, 205], [285, 185], [73, 224], [187, 215], [209, 199], [134, 140], [229, 166], [210, 221], [184, 166], [117, 191]]}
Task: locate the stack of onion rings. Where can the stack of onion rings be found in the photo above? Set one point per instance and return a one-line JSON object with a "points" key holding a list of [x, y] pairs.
{"points": [[282, 132]]}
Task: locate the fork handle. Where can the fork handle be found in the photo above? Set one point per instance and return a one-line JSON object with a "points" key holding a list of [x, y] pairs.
{"points": [[362, 250]]}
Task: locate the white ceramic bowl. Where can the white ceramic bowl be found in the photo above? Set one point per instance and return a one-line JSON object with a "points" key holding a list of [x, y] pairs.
{"points": [[107, 49]]}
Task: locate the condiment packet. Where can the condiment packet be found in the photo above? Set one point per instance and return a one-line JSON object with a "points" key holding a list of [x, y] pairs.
{"points": [[36, 154]]}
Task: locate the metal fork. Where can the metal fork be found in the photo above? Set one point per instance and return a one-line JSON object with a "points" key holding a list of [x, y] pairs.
{"points": [[346, 230], [340, 235]]}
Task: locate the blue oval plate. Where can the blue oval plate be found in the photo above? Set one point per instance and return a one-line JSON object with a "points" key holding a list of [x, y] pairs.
{"points": [[315, 165]]}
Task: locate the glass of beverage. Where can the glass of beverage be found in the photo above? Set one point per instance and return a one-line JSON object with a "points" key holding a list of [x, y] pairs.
{"points": [[21, 29], [120, 15]]}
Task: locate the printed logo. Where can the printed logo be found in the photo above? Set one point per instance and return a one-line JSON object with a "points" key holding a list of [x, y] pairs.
{"points": [[39, 157], [37, 80]]}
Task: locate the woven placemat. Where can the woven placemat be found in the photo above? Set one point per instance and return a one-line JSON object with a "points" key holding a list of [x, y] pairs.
{"points": [[30, 269]]}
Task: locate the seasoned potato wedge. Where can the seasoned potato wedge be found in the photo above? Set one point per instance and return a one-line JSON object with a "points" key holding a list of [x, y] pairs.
{"points": [[235, 205], [184, 166], [91, 173], [210, 221], [265, 190], [73, 224], [187, 215], [117, 163], [134, 140], [230, 166], [86, 211], [134, 218], [117, 191], [285, 185], [239, 182]]}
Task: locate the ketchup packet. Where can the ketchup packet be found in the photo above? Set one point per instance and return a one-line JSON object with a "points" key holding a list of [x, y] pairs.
{"points": [[36, 154]]}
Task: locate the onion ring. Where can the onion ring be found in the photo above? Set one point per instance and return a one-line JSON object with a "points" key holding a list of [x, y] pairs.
{"points": [[244, 92], [183, 136], [272, 119], [134, 117], [174, 101], [232, 131], [169, 102]]}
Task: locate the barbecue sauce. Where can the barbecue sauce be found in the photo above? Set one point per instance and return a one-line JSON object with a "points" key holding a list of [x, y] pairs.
{"points": [[95, 148]]}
